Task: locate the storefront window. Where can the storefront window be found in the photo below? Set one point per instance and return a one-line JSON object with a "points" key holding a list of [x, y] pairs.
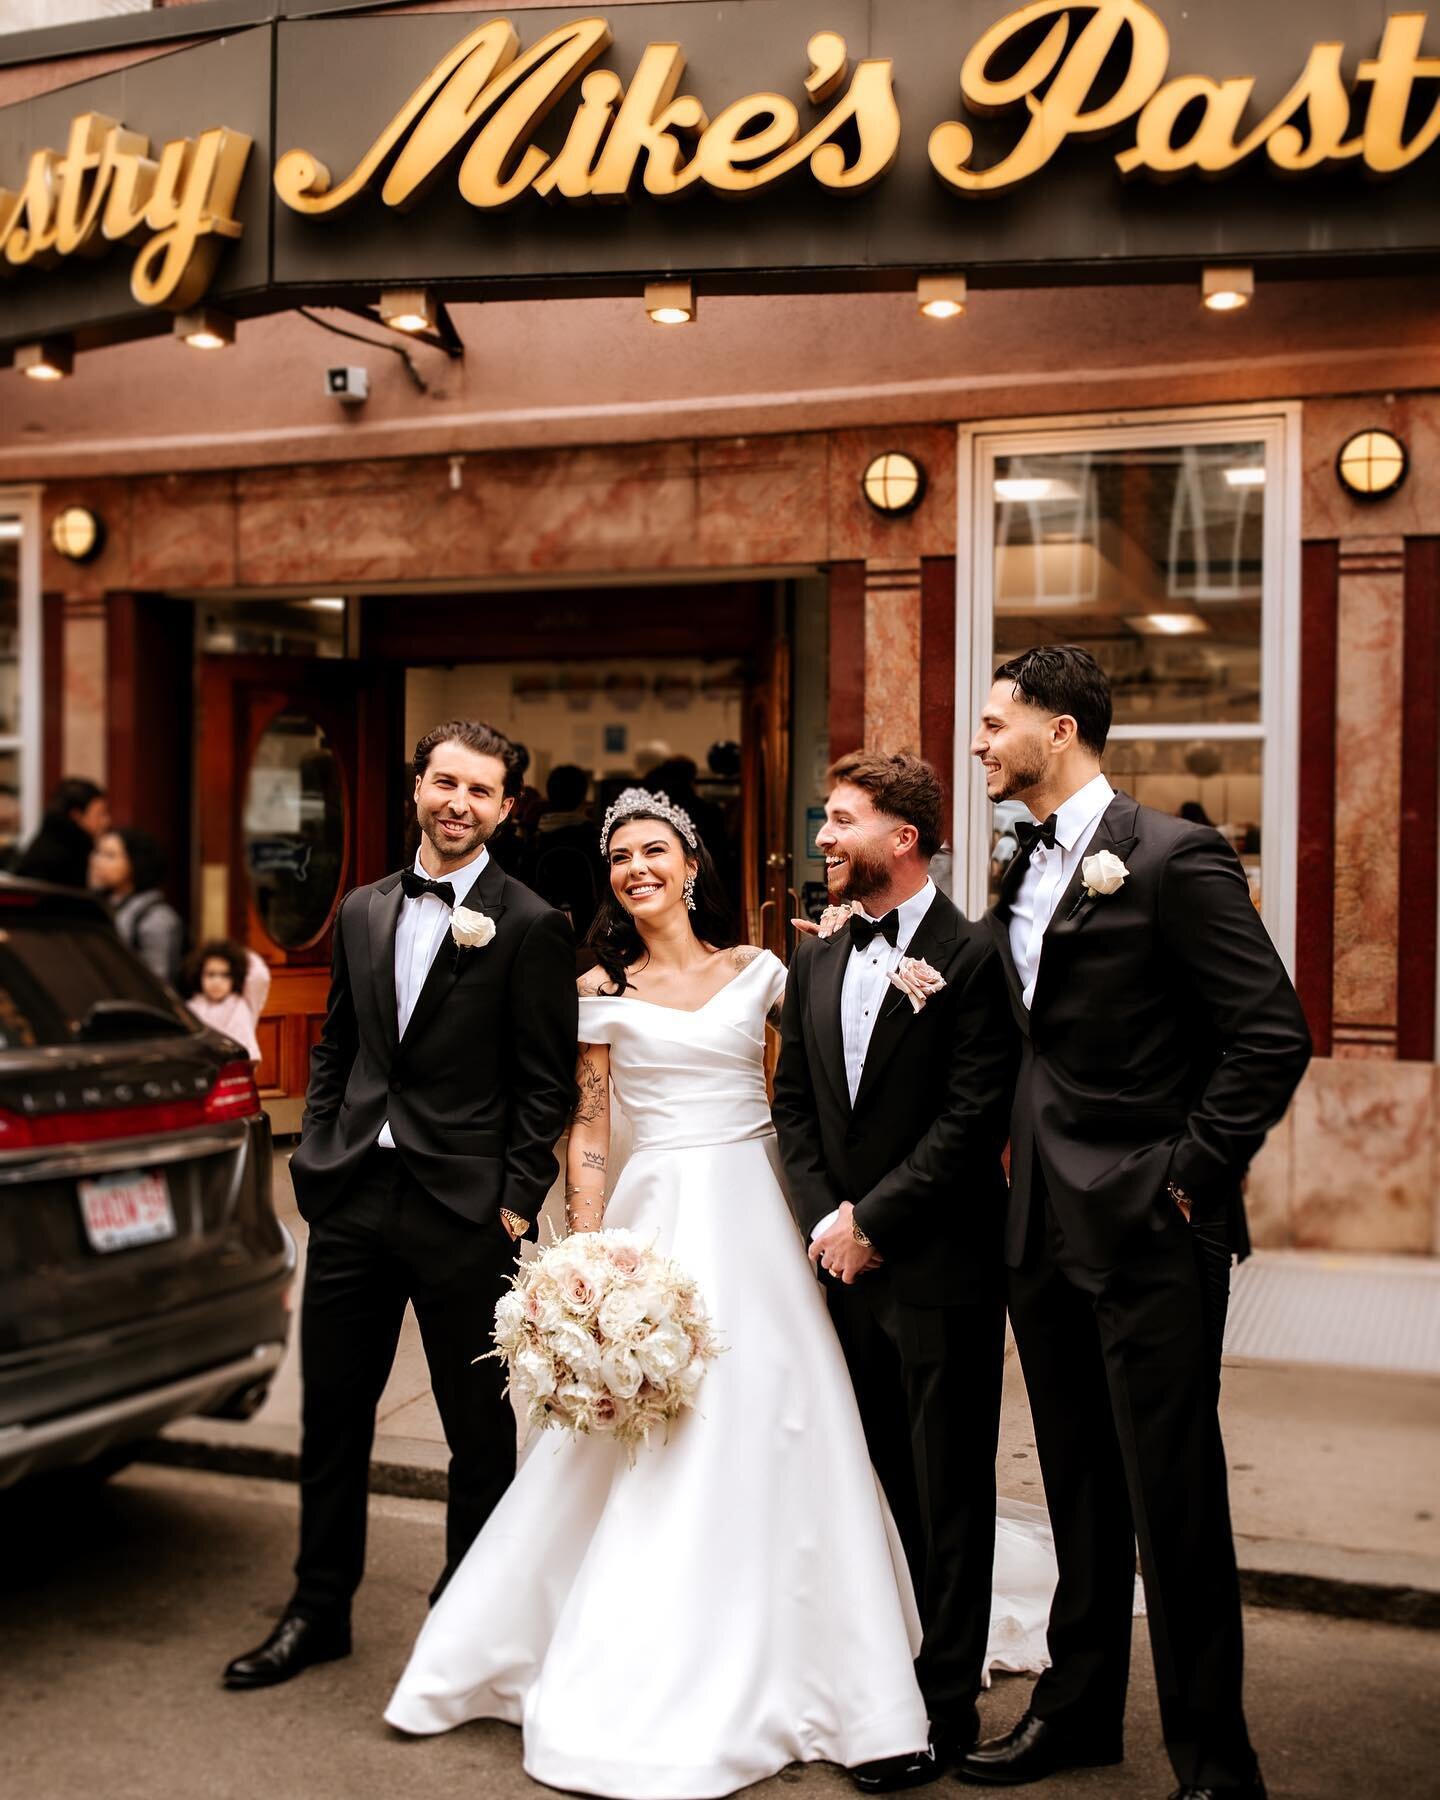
{"points": [[19, 668], [1166, 552]]}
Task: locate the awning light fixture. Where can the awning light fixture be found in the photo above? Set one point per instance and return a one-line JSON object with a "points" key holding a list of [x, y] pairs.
{"points": [[942, 296], [50, 360], [670, 302], [205, 329], [1227, 290], [409, 309]]}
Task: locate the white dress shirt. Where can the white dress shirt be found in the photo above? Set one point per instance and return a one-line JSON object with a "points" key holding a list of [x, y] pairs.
{"points": [[867, 983], [424, 923], [1049, 875]]}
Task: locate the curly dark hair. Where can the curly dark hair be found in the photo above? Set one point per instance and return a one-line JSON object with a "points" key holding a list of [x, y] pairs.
{"points": [[614, 936], [217, 950], [484, 740]]}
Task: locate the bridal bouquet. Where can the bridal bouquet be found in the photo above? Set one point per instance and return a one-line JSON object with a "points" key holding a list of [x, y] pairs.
{"points": [[600, 1333]]}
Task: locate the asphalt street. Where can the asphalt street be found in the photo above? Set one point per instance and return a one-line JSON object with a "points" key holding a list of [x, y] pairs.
{"points": [[120, 1604]]}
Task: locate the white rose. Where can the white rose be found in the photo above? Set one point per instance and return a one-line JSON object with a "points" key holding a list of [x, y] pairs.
{"points": [[1103, 873], [509, 1321], [665, 1352], [471, 930], [549, 1311], [575, 1346], [536, 1372], [621, 1372], [622, 1315]]}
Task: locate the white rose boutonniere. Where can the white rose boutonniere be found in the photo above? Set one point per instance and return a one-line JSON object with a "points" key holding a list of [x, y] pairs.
{"points": [[916, 980], [471, 930], [1103, 873]]}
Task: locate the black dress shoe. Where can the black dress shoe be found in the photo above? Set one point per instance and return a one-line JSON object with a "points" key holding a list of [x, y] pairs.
{"points": [[892, 1773], [1033, 1749], [293, 1645], [1252, 1790]]}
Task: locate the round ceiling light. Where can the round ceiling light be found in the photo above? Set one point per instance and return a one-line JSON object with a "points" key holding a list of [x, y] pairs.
{"points": [[894, 483], [1372, 465], [77, 534]]}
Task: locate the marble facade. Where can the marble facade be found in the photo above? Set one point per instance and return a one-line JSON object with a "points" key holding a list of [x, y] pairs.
{"points": [[1356, 1165]]}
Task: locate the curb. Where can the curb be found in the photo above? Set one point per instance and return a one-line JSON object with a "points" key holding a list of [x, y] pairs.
{"points": [[1272, 1574]]}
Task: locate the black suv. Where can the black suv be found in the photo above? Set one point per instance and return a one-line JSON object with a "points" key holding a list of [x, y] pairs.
{"points": [[143, 1273]]}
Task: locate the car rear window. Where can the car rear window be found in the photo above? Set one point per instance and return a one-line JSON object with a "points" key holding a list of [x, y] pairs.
{"points": [[54, 973]]}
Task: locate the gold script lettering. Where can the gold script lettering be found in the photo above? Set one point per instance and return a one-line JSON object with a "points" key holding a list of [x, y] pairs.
{"points": [[1071, 66], [104, 189]]}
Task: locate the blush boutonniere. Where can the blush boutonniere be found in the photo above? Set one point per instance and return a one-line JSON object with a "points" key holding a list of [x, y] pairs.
{"points": [[470, 929], [916, 980]]}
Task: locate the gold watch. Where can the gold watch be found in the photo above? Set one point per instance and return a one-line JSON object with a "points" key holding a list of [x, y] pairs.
{"points": [[859, 1236]]}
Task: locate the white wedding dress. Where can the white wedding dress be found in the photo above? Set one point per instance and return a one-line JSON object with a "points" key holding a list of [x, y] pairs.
{"points": [[737, 1600]]}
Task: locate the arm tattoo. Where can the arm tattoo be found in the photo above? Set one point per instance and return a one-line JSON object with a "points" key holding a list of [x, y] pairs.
{"points": [[590, 1093], [593, 1159]]}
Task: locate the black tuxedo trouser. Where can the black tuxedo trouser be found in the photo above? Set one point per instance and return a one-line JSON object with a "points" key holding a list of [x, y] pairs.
{"points": [[387, 1241], [928, 1380], [1122, 1367]]}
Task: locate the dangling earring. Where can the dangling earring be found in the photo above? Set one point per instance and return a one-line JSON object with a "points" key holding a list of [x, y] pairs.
{"points": [[689, 892]]}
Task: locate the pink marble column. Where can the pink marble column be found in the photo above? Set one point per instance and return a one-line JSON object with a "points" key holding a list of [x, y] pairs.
{"points": [[1370, 664], [82, 731], [892, 655]]}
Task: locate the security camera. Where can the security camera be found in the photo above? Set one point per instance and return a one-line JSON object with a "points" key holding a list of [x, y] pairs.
{"points": [[351, 387]]}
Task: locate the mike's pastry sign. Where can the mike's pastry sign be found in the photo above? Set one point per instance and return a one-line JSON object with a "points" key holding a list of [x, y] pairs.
{"points": [[572, 117]]}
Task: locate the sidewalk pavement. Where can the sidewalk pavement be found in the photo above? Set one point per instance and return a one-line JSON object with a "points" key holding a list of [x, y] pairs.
{"points": [[1334, 1473]]}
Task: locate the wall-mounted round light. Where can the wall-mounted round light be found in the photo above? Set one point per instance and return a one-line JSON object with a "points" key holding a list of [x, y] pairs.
{"points": [[1372, 465], [894, 483], [77, 534]]}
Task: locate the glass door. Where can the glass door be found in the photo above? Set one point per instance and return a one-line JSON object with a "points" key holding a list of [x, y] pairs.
{"points": [[1170, 551]]}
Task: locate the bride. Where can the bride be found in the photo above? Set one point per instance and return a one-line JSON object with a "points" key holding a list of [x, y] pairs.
{"points": [[737, 1600]]}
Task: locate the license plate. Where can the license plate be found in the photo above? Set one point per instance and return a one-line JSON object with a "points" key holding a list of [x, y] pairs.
{"points": [[121, 1211]]}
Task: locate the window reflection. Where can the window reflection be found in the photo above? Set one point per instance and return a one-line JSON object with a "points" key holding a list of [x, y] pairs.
{"points": [[1151, 558], [294, 830]]}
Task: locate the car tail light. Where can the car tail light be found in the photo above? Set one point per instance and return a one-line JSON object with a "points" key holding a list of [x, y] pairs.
{"points": [[234, 1095]]}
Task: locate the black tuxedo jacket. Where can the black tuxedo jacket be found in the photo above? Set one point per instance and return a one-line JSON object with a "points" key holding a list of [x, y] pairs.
{"points": [[919, 1153], [478, 1089], [1163, 1042]]}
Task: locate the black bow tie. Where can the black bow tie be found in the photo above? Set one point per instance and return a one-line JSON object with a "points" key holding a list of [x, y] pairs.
{"points": [[863, 931], [416, 885], [1028, 836]]}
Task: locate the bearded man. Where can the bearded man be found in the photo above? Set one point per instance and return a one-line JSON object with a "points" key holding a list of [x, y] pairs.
{"points": [[892, 1099]]}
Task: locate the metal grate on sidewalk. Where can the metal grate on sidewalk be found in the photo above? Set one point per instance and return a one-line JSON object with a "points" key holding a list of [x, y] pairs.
{"points": [[1351, 1312]]}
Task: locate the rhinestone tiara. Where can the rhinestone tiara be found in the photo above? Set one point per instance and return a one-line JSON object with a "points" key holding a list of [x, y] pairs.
{"points": [[637, 800]]}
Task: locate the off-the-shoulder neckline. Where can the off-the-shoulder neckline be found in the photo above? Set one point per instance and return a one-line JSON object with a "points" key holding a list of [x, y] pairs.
{"points": [[689, 1012]]}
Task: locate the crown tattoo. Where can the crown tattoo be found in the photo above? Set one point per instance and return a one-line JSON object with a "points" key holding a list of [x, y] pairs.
{"points": [[640, 801]]}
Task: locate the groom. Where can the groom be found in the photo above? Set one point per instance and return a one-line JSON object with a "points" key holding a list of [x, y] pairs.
{"points": [[892, 1113], [442, 1080], [1161, 1041]]}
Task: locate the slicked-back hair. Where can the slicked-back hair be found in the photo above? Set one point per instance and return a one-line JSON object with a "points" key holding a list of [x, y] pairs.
{"points": [[1064, 679], [902, 787], [475, 735]]}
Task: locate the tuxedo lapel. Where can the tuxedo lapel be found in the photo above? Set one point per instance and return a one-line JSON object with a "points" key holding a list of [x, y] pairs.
{"points": [[999, 925], [826, 981], [486, 895], [383, 918], [1116, 833], [931, 942]]}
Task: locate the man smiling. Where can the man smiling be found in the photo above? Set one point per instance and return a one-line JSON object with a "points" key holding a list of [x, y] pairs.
{"points": [[892, 1097], [441, 1082]]}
